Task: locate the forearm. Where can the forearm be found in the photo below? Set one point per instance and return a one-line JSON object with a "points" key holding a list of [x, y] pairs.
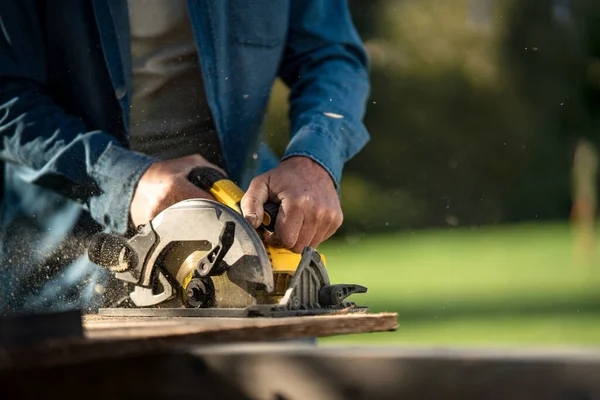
{"points": [[326, 68], [61, 154], [326, 114]]}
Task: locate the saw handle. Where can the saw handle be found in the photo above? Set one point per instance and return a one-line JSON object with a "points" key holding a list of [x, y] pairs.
{"points": [[225, 191], [271, 211]]}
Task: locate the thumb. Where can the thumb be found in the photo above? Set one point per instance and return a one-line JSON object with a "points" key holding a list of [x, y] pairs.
{"points": [[253, 201]]}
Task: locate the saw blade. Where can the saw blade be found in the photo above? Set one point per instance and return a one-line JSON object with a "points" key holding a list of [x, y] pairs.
{"points": [[196, 225], [227, 293], [183, 264]]}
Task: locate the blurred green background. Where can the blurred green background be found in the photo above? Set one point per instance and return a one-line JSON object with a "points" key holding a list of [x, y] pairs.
{"points": [[457, 213], [511, 285]]}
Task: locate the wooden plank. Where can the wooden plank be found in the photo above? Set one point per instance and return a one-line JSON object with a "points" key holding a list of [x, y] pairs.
{"points": [[116, 337]]}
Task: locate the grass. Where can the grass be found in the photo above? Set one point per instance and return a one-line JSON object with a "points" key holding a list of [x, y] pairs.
{"points": [[511, 285]]}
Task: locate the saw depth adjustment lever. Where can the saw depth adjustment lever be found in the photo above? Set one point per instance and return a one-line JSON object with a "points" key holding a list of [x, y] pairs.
{"points": [[227, 192], [212, 263]]}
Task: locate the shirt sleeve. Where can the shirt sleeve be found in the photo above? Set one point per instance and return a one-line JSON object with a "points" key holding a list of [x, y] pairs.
{"points": [[326, 67], [56, 149]]}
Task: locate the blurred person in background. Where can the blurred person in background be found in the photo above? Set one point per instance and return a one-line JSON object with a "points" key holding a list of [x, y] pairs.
{"points": [[106, 106]]}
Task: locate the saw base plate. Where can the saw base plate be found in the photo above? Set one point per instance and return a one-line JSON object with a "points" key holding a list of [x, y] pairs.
{"points": [[250, 312]]}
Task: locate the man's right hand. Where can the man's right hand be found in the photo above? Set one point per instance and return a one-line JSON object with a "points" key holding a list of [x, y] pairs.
{"points": [[165, 183]]}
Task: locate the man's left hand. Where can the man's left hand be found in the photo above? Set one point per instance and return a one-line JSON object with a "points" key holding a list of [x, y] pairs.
{"points": [[309, 211]]}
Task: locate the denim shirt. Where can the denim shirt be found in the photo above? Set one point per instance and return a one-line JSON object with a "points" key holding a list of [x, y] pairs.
{"points": [[65, 90]]}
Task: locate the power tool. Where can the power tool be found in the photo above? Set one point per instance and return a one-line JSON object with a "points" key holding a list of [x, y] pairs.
{"points": [[202, 258]]}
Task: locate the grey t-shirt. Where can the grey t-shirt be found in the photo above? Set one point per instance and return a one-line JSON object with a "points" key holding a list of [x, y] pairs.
{"points": [[170, 116]]}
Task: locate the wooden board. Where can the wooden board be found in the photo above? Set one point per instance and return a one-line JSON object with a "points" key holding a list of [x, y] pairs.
{"points": [[107, 337]]}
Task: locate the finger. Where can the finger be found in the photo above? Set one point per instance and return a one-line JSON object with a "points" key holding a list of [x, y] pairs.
{"points": [[322, 233], [270, 238], [337, 220], [307, 233], [310, 225], [253, 201], [288, 225]]}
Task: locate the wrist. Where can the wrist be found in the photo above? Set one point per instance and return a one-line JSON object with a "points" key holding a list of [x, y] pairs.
{"points": [[307, 163], [117, 173]]}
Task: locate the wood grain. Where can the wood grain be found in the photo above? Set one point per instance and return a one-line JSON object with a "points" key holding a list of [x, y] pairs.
{"points": [[107, 337]]}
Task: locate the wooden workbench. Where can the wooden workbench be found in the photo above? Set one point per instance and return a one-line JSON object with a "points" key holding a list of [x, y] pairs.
{"points": [[106, 337]]}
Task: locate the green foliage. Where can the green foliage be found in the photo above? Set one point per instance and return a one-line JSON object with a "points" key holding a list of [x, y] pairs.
{"points": [[473, 111]]}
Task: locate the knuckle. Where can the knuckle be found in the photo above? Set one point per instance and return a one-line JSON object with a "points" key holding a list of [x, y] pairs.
{"points": [[258, 181], [171, 182], [326, 209], [327, 214], [257, 185], [304, 201], [307, 199], [197, 159], [320, 216], [291, 207], [333, 216], [339, 219], [163, 195], [168, 188], [334, 213]]}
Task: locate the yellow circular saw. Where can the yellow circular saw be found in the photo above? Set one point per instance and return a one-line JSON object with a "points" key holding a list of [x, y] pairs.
{"points": [[202, 258]]}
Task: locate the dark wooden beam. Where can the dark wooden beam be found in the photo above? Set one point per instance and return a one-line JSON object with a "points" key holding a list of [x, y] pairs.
{"points": [[107, 337], [290, 372]]}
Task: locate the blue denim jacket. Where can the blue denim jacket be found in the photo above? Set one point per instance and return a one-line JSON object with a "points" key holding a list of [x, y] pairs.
{"points": [[65, 85]]}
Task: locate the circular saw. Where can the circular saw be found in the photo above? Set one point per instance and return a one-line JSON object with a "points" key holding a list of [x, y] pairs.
{"points": [[202, 258]]}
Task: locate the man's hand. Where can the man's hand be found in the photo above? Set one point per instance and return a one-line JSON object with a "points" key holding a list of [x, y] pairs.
{"points": [[309, 211], [165, 183]]}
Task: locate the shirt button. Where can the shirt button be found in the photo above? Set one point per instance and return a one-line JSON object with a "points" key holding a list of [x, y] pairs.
{"points": [[121, 92]]}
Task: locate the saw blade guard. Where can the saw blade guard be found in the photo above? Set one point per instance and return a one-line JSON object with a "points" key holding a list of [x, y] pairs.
{"points": [[200, 220], [198, 238]]}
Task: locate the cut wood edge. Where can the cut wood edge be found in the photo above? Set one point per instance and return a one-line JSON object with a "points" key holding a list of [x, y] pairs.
{"points": [[113, 338], [104, 328]]}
